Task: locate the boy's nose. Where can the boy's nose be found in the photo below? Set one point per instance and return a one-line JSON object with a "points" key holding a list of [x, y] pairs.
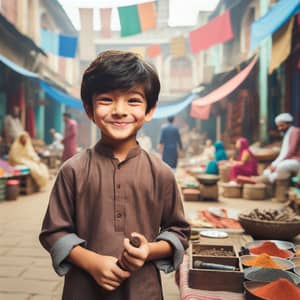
{"points": [[119, 108]]}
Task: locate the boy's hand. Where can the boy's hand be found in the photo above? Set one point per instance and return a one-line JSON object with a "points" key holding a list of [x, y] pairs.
{"points": [[106, 272], [134, 258]]}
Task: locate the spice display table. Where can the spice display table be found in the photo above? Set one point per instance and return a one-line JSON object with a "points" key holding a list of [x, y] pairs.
{"points": [[187, 293]]}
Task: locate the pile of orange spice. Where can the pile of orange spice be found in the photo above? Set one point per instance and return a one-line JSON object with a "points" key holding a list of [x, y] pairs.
{"points": [[263, 260], [271, 249], [279, 289]]}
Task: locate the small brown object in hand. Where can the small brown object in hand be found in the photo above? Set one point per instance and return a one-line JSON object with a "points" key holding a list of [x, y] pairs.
{"points": [[135, 242]]}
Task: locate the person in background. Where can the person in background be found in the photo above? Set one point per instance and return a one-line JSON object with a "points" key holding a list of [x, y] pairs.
{"points": [[220, 155], [208, 152], [22, 153], [108, 193], [246, 164], [69, 140], [288, 160], [56, 146], [12, 126], [170, 146]]}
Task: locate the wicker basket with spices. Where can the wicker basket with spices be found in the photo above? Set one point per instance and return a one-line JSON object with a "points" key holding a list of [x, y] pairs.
{"points": [[231, 190], [255, 191]]}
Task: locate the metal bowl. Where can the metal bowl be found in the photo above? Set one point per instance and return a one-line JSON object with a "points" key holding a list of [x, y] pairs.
{"points": [[249, 286], [296, 261], [268, 275], [208, 179], [280, 244], [284, 263]]}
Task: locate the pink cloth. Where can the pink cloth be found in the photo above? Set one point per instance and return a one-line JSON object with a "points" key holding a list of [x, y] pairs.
{"points": [[222, 91], [249, 168], [70, 140], [294, 144]]}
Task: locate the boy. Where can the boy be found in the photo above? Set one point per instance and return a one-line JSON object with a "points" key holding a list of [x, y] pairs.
{"points": [[113, 191]]}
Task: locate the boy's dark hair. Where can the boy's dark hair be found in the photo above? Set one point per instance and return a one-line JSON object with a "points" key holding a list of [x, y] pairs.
{"points": [[119, 70]]}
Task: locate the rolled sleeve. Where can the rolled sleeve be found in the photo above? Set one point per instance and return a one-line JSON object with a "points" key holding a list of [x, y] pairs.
{"points": [[60, 251], [170, 264]]}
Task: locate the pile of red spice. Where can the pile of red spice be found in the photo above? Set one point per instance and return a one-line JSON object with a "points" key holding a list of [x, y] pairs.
{"points": [[271, 249], [278, 290]]}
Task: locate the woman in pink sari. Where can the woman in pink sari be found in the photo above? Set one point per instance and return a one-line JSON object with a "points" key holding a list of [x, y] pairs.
{"points": [[246, 165]]}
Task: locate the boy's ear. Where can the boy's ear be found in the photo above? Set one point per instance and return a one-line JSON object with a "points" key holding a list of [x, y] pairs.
{"points": [[149, 114]]}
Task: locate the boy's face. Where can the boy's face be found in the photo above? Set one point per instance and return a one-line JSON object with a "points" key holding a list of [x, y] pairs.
{"points": [[120, 114]]}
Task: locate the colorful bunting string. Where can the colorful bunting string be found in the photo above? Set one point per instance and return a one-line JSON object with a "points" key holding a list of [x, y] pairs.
{"points": [[217, 31], [135, 19], [58, 44]]}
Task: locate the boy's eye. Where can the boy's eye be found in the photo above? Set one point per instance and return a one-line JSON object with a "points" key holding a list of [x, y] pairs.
{"points": [[104, 100], [135, 100]]}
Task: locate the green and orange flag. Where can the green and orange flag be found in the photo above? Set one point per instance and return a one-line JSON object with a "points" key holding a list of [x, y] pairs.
{"points": [[138, 18]]}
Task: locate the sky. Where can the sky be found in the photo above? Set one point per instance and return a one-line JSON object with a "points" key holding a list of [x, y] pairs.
{"points": [[181, 13]]}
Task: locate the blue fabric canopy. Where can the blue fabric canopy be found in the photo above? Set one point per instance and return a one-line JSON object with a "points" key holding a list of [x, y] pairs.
{"points": [[278, 14], [61, 97], [17, 68], [173, 109]]}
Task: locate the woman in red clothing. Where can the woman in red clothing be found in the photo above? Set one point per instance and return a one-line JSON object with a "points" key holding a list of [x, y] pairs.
{"points": [[246, 164]]}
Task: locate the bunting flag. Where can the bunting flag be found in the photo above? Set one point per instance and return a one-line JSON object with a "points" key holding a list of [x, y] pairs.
{"points": [[105, 16], [177, 46], [217, 31], [135, 19], [153, 50], [58, 44], [281, 45], [276, 16], [222, 91], [87, 46]]}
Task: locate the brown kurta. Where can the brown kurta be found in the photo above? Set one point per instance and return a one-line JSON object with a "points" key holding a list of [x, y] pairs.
{"points": [[100, 201]]}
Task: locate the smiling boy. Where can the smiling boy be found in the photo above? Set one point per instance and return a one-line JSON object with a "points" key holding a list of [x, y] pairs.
{"points": [[115, 190]]}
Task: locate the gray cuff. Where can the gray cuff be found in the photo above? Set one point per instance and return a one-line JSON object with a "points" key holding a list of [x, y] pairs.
{"points": [[170, 264], [60, 251]]}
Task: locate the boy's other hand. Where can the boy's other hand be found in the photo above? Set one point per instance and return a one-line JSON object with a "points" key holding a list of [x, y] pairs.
{"points": [[106, 272], [134, 258]]}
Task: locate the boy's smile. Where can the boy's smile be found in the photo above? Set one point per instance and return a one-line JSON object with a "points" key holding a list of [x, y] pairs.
{"points": [[120, 114]]}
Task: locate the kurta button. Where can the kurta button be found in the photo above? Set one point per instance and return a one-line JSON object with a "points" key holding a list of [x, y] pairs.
{"points": [[119, 215], [118, 185]]}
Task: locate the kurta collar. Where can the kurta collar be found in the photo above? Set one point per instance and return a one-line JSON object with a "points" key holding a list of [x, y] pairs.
{"points": [[108, 151]]}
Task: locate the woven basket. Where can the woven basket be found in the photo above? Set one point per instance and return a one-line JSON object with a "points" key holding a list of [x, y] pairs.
{"points": [[224, 173], [191, 194], [231, 191], [265, 155], [281, 190], [270, 230], [255, 191], [209, 192]]}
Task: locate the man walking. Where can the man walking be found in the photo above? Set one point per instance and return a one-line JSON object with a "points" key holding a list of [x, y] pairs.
{"points": [[170, 143]]}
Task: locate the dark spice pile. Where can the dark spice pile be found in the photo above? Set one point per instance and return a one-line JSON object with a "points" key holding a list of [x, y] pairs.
{"points": [[213, 252], [285, 214]]}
